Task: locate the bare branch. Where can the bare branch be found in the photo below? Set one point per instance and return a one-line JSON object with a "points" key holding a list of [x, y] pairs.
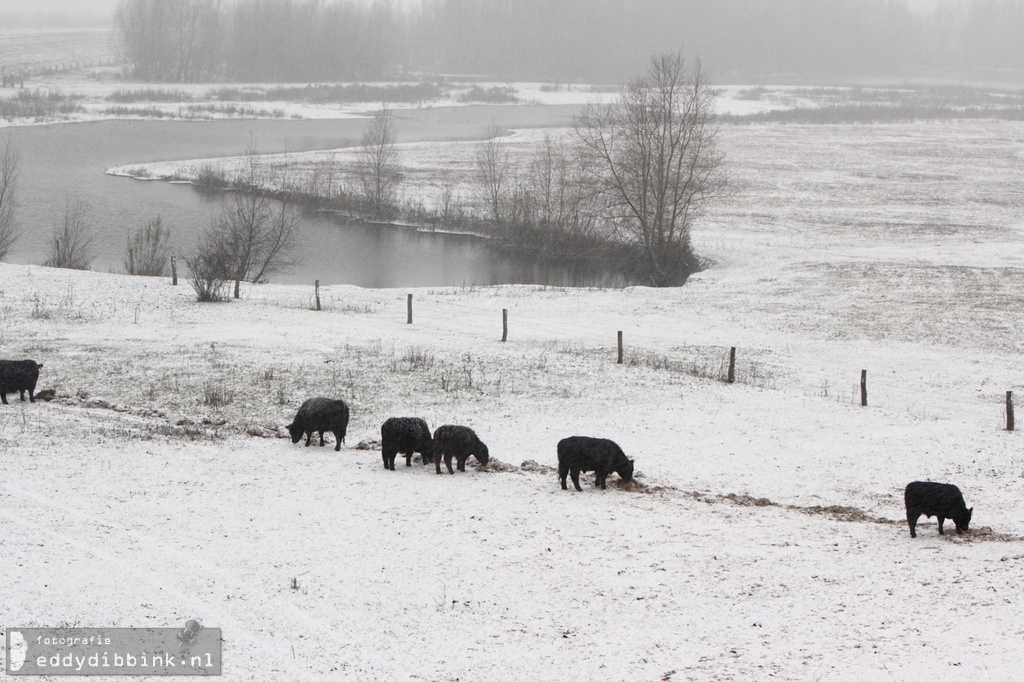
{"points": [[656, 163], [10, 167]]}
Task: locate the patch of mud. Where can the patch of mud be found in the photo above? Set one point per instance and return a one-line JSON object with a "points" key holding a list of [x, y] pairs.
{"points": [[841, 513], [265, 430], [748, 500], [532, 467], [496, 466], [101, 404], [368, 444], [981, 534], [636, 486]]}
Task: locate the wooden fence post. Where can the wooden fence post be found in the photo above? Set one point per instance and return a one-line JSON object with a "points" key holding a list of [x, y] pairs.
{"points": [[732, 365], [504, 324], [620, 348], [316, 289], [1009, 411], [174, 271], [408, 319], [864, 388]]}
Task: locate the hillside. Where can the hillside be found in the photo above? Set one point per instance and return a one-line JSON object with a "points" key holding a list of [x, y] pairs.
{"points": [[763, 535]]}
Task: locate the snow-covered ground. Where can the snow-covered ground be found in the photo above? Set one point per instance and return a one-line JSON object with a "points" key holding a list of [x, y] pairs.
{"points": [[92, 89], [764, 536]]}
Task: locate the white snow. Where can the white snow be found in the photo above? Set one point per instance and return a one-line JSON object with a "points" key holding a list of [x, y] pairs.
{"points": [[764, 536]]}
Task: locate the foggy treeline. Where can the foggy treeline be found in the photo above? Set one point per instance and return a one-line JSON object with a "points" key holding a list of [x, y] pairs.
{"points": [[569, 40], [272, 40]]}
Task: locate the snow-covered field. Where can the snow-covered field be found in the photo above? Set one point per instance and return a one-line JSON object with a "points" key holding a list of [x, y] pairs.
{"points": [[55, 50], [86, 71], [763, 537]]}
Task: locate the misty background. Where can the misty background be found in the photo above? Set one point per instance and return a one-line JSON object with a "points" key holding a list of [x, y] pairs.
{"points": [[569, 41]]}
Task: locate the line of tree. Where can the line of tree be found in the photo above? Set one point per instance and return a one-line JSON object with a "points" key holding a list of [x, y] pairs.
{"points": [[264, 40], [621, 191], [625, 188], [567, 40]]}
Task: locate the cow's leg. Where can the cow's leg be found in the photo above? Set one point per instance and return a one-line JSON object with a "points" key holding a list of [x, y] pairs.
{"points": [[575, 474], [912, 516]]}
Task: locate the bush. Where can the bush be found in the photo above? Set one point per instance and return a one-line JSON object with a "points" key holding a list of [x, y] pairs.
{"points": [[148, 95], [148, 251], [210, 269], [71, 243], [493, 95], [211, 177]]}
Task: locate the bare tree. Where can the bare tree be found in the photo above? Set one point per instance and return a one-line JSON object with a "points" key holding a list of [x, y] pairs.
{"points": [[258, 233], [10, 166], [657, 166], [378, 168], [563, 199], [494, 171], [71, 243], [171, 40], [148, 250]]}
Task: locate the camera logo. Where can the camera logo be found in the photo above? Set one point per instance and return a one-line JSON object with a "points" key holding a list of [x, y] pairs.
{"points": [[17, 648]]}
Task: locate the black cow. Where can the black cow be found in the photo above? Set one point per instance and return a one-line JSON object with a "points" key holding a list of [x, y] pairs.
{"points": [[320, 414], [941, 500], [405, 435], [20, 376], [600, 455], [459, 442]]}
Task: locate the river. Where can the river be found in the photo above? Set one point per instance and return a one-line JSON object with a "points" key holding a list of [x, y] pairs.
{"points": [[66, 162]]}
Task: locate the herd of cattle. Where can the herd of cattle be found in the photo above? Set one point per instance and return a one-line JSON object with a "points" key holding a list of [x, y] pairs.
{"points": [[410, 435]]}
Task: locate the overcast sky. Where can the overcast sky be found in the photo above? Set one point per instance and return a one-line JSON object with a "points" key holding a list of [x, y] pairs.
{"points": [[97, 6], [22, 6], [80, 6]]}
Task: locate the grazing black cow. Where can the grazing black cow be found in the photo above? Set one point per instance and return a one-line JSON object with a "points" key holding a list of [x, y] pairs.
{"points": [[406, 435], [459, 442], [600, 455], [941, 500], [20, 376], [320, 414]]}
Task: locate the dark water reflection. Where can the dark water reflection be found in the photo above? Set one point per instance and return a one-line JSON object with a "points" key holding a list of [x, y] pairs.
{"points": [[67, 161], [373, 255]]}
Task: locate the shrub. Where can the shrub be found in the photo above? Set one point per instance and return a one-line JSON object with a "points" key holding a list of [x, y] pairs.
{"points": [[493, 95], [148, 95], [210, 269], [71, 243], [148, 250], [211, 177]]}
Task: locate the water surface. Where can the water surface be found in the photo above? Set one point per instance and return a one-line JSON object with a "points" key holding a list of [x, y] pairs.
{"points": [[66, 162]]}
